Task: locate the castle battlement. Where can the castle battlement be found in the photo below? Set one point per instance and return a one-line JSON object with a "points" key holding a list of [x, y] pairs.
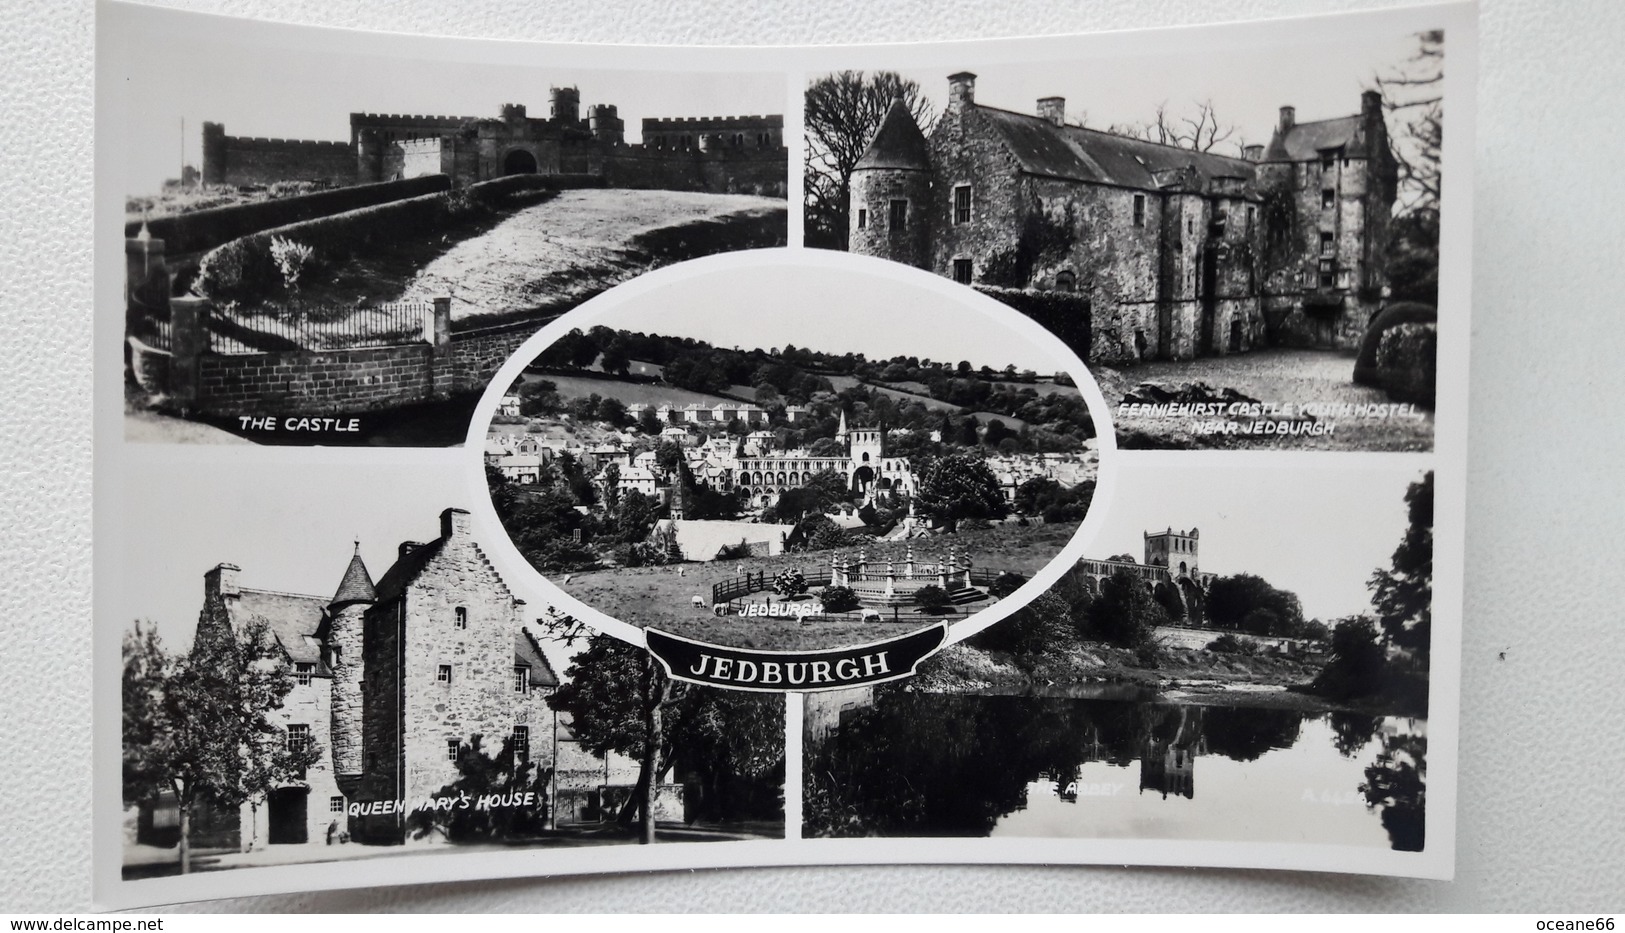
{"points": [[249, 142], [407, 118]]}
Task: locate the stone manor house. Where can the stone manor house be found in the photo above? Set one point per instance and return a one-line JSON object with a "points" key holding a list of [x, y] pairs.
{"points": [[735, 154], [392, 678], [1172, 253]]}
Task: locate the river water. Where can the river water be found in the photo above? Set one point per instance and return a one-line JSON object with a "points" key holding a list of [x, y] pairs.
{"points": [[1124, 764]]}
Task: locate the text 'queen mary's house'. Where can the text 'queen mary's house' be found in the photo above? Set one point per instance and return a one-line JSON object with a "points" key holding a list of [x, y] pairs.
{"points": [[392, 678], [1171, 253]]}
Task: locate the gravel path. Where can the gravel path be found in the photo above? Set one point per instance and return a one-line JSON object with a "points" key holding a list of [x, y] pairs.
{"points": [[1282, 376]]}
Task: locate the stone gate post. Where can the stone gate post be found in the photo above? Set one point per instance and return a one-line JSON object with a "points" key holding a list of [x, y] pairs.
{"points": [[442, 371], [188, 341]]}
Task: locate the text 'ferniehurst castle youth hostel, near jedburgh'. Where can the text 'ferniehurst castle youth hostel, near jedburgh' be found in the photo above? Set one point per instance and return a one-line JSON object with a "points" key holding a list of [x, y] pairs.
{"points": [[1172, 253]]}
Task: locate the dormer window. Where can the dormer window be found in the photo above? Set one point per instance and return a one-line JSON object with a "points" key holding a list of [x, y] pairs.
{"points": [[521, 678], [302, 673]]}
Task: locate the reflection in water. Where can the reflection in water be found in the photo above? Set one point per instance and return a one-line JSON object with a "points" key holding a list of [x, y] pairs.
{"points": [[895, 763]]}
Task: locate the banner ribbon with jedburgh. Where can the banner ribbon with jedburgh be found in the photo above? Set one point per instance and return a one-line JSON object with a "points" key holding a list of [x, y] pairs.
{"points": [[833, 669]]}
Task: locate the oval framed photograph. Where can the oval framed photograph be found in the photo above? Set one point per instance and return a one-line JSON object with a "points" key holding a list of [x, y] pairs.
{"points": [[791, 471]]}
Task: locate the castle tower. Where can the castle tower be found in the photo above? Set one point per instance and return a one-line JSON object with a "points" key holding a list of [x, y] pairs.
{"points": [[867, 447], [346, 613], [1175, 550], [566, 106], [891, 193]]}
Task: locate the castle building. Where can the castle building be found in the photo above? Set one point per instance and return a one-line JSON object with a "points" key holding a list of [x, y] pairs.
{"points": [[1171, 253], [1170, 571], [739, 154], [866, 469], [390, 679]]}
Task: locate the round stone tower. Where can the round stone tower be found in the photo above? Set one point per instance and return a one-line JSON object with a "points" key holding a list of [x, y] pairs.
{"points": [[346, 614], [891, 193]]}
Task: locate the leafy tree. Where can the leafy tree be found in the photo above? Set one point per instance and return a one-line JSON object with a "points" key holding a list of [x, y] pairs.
{"points": [[616, 359], [619, 700], [839, 599], [842, 112], [931, 598], [1402, 595], [201, 726], [480, 774], [959, 487], [1038, 628], [1125, 614], [1356, 666], [1231, 599], [789, 583], [649, 422]]}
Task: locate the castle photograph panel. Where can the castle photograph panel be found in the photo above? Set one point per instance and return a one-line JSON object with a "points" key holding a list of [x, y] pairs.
{"points": [[838, 488], [352, 679], [1244, 245], [1243, 656], [335, 247]]}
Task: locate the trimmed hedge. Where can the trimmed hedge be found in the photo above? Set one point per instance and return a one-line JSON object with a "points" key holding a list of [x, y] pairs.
{"points": [[1064, 314], [208, 228], [244, 269], [1403, 312], [1407, 362]]}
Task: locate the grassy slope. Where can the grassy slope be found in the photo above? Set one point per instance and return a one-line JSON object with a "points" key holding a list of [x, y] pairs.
{"points": [[663, 596]]}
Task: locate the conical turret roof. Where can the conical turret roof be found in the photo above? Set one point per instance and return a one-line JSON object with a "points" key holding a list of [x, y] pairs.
{"points": [[356, 587], [898, 144]]}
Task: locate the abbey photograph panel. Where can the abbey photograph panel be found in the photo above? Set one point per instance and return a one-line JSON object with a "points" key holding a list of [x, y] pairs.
{"points": [[1243, 241], [337, 242], [339, 675], [1244, 656]]}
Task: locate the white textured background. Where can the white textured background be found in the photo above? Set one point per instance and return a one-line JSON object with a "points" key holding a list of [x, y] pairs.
{"points": [[1543, 730]]}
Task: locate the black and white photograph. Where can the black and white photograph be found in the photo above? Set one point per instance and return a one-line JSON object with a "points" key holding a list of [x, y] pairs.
{"points": [[805, 478], [346, 677], [329, 247], [1244, 245], [1239, 659]]}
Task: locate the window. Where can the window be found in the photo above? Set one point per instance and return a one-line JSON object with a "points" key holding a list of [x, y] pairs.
{"points": [[899, 216], [451, 749], [462, 617], [1066, 281], [962, 204], [302, 672], [962, 271], [298, 737], [335, 805], [1139, 210], [1328, 199], [1327, 243], [1328, 160], [521, 678], [1250, 213], [442, 674], [521, 744], [1328, 273], [863, 218]]}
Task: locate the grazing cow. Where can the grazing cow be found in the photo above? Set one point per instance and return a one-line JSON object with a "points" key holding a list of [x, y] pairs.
{"points": [[871, 615], [699, 603]]}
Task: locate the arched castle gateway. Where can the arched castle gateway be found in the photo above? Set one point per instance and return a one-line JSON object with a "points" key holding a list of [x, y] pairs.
{"points": [[1169, 573], [864, 466]]}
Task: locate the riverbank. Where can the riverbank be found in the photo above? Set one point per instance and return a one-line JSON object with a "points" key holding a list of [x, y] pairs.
{"points": [[1184, 676]]}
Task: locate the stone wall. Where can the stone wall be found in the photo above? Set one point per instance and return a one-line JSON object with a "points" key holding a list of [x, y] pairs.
{"points": [[254, 160], [726, 171]]}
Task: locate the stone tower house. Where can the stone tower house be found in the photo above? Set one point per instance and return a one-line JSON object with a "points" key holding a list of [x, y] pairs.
{"points": [[1169, 253]]}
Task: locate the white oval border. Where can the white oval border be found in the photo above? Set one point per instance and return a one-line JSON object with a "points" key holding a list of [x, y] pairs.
{"points": [[499, 547]]}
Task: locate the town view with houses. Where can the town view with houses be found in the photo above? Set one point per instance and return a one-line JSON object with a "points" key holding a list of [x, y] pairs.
{"points": [[857, 490]]}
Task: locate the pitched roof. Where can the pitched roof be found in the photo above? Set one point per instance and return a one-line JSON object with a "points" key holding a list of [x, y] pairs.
{"points": [[1305, 141], [1075, 153], [528, 651], [701, 540], [407, 567], [293, 620], [357, 583], [898, 143]]}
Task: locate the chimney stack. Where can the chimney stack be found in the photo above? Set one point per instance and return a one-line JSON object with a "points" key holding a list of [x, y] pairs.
{"points": [[454, 523], [1289, 116], [222, 581], [1371, 102], [1053, 109], [961, 90], [406, 548]]}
